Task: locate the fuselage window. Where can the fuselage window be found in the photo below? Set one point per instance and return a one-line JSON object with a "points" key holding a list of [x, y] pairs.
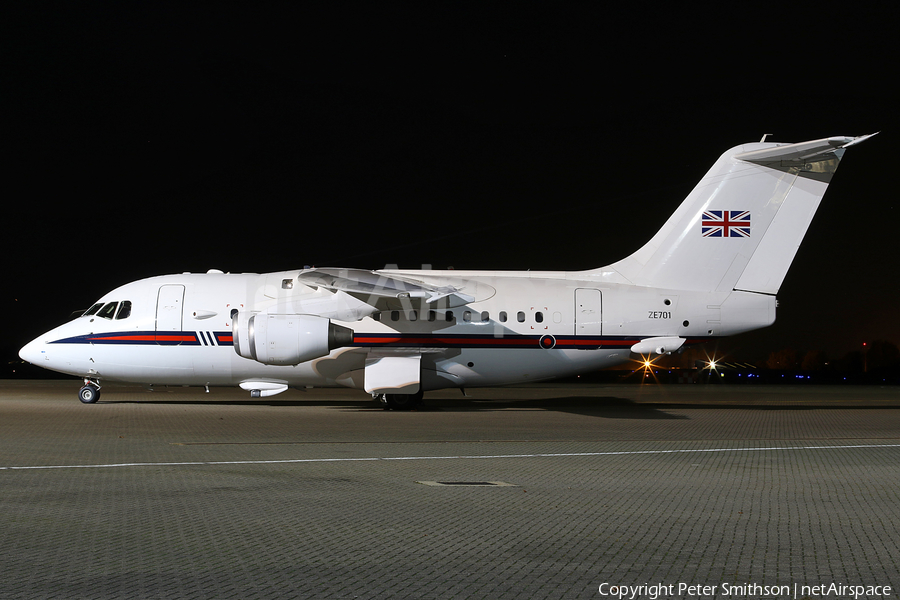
{"points": [[538, 317], [413, 315], [108, 310], [376, 316], [124, 310], [467, 316], [449, 316], [431, 316], [92, 310], [520, 317], [395, 315], [485, 316], [503, 316]]}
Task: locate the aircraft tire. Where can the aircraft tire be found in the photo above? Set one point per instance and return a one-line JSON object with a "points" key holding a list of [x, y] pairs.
{"points": [[403, 401], [89, 394]]}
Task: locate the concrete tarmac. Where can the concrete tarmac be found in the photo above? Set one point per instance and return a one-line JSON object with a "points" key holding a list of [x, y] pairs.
{"points": [[549, 491]]}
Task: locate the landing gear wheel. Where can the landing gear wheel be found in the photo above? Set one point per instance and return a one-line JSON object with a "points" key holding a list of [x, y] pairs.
{"points": [[403, 401], [89, 394]]}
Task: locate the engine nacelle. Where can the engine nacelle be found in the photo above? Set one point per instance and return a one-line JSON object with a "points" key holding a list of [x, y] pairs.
{"points": [[286, 339]]}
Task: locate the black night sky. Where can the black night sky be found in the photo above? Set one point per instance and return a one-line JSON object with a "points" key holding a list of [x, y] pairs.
{"points": [[143, 140]]}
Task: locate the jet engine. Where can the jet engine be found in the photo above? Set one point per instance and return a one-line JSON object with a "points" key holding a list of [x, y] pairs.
{"points": [[286, 339]]}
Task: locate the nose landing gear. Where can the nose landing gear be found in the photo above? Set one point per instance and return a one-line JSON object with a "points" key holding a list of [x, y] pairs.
{"points": [[90, 393]]}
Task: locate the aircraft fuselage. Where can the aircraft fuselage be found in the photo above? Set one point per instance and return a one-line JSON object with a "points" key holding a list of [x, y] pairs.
{"points": [[521, 327]]}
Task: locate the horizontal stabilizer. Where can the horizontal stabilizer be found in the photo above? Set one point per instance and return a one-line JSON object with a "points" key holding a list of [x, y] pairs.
{"points": [[801, 152]]}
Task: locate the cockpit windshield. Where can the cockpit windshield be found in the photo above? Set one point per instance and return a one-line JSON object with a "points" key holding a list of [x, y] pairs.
{"points": [[110, 310], [124, 310], [92, 310]]}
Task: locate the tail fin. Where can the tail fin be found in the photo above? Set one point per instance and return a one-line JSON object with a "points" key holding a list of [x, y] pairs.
{"points": [[741, 225]]}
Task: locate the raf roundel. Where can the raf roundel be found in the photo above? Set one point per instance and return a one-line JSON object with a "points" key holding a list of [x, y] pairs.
{"points": [[547, 342]]}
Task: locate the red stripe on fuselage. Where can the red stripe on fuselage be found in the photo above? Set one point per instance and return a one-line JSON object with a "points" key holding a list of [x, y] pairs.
{"points": [[176, 338], [438, 340], [143, 338], [523, 341]]}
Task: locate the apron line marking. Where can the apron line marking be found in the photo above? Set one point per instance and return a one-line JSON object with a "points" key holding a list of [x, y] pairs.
{"points": [[454, 457]]}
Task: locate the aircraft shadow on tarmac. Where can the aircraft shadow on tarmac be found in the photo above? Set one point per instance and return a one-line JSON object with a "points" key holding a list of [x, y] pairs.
{"points": [[608, 407]]}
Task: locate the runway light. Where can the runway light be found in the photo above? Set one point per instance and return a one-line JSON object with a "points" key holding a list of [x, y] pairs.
{"points": [[646, 367]]}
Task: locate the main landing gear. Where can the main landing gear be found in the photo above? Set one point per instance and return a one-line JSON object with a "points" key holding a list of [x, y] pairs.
{"points": [[400, 401], [90, 393]]}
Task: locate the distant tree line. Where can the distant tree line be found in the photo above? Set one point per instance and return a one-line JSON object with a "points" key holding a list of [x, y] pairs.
{"points": [[880, 356], [875, 357]]}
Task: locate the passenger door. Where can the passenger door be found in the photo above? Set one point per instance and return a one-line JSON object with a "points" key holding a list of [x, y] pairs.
{"points": [[169, 306], [587, 311]]}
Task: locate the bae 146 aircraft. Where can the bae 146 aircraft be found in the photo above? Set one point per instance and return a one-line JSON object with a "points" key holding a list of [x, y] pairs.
{"points": [[712, 270]]}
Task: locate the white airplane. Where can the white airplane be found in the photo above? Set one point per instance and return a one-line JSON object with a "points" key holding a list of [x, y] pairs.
{"points": [[712, 270]]}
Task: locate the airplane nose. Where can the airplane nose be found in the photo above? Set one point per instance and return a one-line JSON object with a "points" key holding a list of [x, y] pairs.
{"points": [[32, 351]]}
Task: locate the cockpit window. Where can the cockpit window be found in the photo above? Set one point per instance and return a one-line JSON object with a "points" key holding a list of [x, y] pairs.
{"points": [[92, 310], [124, 310], [108, 310]]}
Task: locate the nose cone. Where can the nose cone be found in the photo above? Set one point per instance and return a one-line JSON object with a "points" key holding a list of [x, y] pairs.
{"points": [[32, 351]]}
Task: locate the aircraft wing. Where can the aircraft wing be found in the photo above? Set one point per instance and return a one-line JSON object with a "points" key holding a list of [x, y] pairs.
{"points": [[369, 286]]}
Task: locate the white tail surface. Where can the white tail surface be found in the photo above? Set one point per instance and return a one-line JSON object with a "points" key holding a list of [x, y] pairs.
{"points": [[741, 225]]}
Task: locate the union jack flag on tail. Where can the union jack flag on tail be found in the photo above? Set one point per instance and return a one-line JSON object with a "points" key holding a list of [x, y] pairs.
{"points": [[725, 223]]}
